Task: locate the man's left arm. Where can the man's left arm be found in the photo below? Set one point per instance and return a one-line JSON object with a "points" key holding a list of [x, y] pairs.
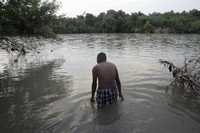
{"points": [[119, 85]]}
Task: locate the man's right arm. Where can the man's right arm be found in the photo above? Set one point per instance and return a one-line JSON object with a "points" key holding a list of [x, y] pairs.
{"points": [[94, 84]]}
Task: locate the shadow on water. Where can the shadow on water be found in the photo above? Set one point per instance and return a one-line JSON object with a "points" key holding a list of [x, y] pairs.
{"points": [[108, 115], [83, 116], [100, 119], [25, 102]]}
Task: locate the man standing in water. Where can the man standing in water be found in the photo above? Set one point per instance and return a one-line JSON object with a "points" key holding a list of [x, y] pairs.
{"points": [[109, 85]]}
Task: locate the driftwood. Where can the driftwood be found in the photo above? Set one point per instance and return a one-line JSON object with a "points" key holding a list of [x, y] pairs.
{"points": [[186, 77], [10, 46]]}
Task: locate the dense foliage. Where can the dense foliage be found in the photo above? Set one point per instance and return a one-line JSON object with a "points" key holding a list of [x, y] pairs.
{"points": [[120, 22], [37, 17], [27, 17]]}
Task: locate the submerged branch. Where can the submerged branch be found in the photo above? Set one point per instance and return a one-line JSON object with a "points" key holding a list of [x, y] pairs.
{"points": [[10, 46], [186, 77]]}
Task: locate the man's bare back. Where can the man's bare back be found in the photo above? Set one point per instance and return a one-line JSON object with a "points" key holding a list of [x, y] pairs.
{"points": [[106, 73], [108, 81]]}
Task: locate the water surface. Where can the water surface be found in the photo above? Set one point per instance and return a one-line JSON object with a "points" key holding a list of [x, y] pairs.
{"points": [[49, 91]]}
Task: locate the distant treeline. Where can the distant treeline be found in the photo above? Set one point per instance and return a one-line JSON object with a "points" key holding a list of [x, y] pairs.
{"points": [[120, 22], [34, 17]]}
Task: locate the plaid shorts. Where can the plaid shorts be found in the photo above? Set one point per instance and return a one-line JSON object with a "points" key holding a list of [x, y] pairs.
{"points": [[106, 96]]}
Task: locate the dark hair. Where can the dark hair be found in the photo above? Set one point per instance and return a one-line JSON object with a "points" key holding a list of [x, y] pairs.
{"points": [[101, 57]]}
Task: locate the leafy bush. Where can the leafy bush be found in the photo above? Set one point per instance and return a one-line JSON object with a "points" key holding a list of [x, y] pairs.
{"points": [[26, 16]]}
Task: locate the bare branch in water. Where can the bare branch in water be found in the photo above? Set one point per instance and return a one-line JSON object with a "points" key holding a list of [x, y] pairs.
{"points": [[9, 45], [186, 77]]}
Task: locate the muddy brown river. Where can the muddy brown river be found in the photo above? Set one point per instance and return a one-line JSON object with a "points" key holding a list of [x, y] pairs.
{"points": [[49, 90]]}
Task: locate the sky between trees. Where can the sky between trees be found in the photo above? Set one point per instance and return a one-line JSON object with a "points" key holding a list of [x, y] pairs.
{"points": [[72, 8]]}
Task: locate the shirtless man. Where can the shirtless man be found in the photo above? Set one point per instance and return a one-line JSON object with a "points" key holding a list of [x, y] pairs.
{"points": [[109, 85]]}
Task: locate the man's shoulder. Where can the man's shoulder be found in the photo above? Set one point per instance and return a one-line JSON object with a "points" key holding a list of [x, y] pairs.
{"points": [[112, 64], [95, 67]]}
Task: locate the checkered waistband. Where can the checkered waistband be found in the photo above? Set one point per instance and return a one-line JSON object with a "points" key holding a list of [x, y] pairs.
{"points": [[106, 96]]}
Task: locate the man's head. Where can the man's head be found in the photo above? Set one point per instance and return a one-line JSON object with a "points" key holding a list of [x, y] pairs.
{"points": [[101, 57]]}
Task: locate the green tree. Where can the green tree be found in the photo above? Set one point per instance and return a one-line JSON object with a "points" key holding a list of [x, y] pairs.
{"points": [[195, 26], [90, 21], [28, 17], [148, 28], [100, 23]]}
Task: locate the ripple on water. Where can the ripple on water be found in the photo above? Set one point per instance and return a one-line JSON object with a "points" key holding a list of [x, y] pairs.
{"points": [[52, 91]]}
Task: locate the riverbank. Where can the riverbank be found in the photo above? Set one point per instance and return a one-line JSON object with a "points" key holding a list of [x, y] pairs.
{"points": [[18, 43]]}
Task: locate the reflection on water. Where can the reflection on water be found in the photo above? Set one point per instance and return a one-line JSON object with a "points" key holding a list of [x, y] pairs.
{"points": [[49, 91], [25, 102], [108, 115]]}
